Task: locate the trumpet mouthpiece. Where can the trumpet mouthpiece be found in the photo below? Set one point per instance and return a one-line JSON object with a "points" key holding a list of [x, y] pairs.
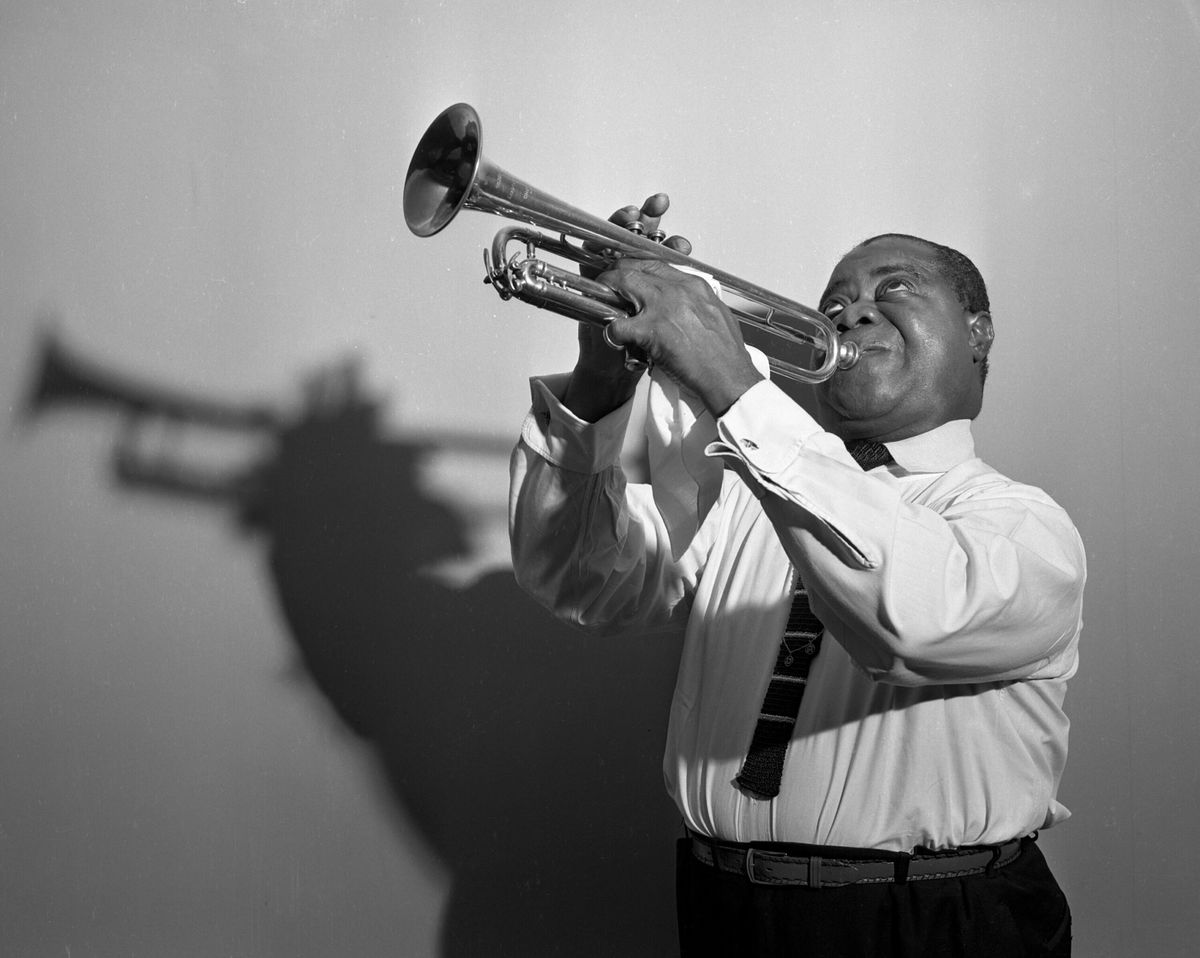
{"points": [[847, 355]]}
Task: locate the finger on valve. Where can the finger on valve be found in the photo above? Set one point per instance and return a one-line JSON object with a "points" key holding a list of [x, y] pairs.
{"points": [[641, 220]]}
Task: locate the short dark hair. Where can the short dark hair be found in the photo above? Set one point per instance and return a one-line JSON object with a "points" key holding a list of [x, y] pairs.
{"points": [[956, 269]]}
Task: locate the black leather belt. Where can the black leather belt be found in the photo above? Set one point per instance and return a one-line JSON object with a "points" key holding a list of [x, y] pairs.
{"points": [[817, 866]]}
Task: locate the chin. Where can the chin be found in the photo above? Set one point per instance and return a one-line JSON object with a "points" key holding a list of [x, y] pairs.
{"points": [[852, 400], [853, 411]]}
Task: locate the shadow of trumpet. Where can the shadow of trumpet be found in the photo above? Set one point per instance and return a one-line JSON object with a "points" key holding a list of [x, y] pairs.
{"points": [[528, 758]]}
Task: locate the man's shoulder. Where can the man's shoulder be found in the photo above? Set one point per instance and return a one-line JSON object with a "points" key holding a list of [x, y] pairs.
{"points": [[976, 479]]}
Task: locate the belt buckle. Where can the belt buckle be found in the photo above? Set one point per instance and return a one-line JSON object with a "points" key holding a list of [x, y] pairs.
{"points": [[813, 878], [749, 868]]}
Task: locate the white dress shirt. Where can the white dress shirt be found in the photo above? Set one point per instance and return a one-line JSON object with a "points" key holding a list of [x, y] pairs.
{"points": [[950, 596]]}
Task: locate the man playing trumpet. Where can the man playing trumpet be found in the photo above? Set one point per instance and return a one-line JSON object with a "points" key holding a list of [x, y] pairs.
{"points": [[867, 728]]}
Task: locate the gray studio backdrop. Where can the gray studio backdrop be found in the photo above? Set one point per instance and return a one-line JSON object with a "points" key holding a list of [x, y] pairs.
{"points": [[266, 687]]}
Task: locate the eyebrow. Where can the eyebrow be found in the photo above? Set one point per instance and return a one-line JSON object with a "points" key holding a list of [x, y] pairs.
{"points": [[896, 268]]}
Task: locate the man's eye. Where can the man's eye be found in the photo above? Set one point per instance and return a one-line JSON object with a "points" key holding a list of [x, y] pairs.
{"points": [[894, 285], [832, 309]]}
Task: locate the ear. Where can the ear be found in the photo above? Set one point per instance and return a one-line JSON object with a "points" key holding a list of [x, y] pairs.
{"points": [[980, 334]]}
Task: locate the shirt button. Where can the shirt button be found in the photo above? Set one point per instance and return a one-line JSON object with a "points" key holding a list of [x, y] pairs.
{"points": [[749, 443]]}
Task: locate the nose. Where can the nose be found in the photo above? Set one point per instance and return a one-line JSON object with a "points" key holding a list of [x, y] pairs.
{"points": [[857, 314]]}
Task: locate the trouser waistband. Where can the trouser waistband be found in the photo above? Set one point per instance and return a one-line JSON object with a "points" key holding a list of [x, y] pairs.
{"points": [[828, 866]]}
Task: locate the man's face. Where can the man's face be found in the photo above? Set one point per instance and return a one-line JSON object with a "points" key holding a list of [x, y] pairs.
{"points": [[920, 347]]}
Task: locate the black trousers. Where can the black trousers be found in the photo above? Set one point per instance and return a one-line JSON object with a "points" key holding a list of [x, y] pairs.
{"points": [[1017, 912]]}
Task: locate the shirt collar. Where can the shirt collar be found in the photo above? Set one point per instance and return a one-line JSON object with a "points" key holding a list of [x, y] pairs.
{"points": [[938, 450]]}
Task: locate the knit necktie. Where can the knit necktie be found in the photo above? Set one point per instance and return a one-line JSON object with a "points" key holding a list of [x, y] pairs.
{"points": [[762, 769]]}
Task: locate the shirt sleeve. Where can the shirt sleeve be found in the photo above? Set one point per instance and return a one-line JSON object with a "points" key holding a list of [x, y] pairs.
{"points": [[587, 544], [982, 583]]}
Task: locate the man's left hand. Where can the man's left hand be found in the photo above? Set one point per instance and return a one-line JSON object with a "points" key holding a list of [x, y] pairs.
{"points": [[683, 327]]}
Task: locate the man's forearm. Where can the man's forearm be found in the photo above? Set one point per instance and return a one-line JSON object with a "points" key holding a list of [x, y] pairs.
{"points": [[592, 396], [588, 547]]}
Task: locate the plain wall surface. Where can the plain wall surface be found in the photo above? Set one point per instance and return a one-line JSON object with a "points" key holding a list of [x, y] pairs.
{"points": [[292, 704]]}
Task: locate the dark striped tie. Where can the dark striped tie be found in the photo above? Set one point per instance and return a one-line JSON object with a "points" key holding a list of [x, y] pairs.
{"points": [[762, 769]]}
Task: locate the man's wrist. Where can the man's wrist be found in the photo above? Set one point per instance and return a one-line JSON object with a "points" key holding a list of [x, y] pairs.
{"points": [[720, 396], [591, 396]]}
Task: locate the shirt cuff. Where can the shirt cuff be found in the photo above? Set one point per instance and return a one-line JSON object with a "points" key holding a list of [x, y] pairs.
{"points": [[768, 429], [562, 438], [782, 449]]}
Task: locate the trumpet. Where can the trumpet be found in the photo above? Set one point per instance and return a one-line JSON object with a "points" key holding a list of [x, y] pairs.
{"points": [[449, 173]]}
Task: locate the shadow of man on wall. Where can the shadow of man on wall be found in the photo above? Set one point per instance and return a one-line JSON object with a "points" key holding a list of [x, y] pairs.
{"points": [[527, 755]]}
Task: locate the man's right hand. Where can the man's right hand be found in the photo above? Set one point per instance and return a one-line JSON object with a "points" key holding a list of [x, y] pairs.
{"points": [[601, 382]]}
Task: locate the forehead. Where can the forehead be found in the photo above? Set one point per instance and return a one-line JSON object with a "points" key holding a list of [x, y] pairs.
{"points": [[864, 262]]}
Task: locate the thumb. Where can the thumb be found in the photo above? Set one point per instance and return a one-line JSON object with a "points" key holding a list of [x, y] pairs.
{"points": [[626, 335], [624, 332]]}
